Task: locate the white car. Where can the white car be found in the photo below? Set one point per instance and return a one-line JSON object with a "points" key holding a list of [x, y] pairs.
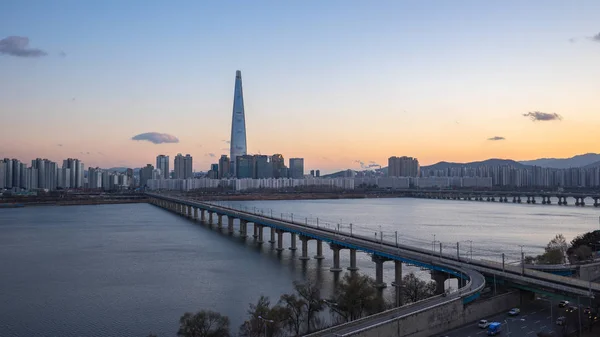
{"points": [[483, 324]]}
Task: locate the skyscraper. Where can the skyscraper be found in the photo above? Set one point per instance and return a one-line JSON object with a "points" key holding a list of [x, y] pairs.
{"points": [[238, 123], [224, 167], [188, 167], [162, 163], [296, 168]]}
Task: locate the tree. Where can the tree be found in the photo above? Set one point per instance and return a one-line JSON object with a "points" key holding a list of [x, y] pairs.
{"points": [[582, 253], [415, 289], [310, 292], [264, 319], [203, 324], [296, 311], [355, 297], [589, 239]]}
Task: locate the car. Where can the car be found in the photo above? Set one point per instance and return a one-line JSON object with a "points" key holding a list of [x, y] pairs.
{"points": [[483, 324], [571, 309], [514, 312], [563, 304], [587, 311], [562, 320]]}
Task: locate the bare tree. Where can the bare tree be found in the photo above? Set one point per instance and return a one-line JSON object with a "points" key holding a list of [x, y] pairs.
{"points": [[355, 297], [203, 324], [310, 293], [264, 320], [295, 310], [415, 289]]}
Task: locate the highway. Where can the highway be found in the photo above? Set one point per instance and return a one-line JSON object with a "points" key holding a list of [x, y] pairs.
{"points": [[537, 316]]}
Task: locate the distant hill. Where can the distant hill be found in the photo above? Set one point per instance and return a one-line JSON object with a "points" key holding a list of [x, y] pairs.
{"points": [[593, 165], [339, 174], [443, 165], [582, 160], [121, 169]]}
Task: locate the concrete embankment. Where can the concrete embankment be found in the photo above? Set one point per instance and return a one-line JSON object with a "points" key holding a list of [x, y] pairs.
{"points": [[440, 318]]}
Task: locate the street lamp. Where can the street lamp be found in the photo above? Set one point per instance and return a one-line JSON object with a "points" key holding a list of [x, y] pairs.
{"points": [[266, 320], [471, 249]]}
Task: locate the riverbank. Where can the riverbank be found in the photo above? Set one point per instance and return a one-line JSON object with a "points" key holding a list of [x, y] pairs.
{"points": [[25, 202], [289, 196]]}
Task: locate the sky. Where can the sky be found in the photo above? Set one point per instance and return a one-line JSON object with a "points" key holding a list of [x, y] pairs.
{"points": [[334, 82]]}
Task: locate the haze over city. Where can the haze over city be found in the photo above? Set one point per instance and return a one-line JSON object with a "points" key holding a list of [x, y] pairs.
{"points": [[334, 83]]}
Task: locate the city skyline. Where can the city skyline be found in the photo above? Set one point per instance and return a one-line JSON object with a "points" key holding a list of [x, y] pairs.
{"points": [[334, 83]]}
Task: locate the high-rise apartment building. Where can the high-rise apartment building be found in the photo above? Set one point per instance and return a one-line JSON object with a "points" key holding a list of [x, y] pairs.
{"points": [[162, 163], [146, 173], [8, 173], [224, 167], [183, 166], [76, 168], [2, 174], [403, 167], [237, 144], [188, 171], [296, 168]]}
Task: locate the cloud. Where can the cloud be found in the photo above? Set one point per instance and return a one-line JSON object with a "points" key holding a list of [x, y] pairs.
{"points": [[596, 38], [226, 141], [572, 40], [62, 54], [543, 116], [59, 145], [212, 155], [496, 138], [19, 46], [100, 153], [156, 137]]}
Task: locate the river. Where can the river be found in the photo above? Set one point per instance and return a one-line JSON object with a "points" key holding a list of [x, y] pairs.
{"points": [[128, 270]]}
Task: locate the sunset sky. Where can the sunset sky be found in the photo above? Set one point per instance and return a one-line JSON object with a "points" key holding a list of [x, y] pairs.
{"points": [[335, 82]]}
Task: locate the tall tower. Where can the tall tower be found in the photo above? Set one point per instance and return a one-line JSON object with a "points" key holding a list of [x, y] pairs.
{"points": [[238, 123]]}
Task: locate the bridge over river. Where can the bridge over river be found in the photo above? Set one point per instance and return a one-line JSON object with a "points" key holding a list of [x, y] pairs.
{"points": [[471, 274]]}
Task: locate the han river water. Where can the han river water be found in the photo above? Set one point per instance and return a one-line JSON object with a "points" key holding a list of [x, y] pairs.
{"points": [[128, 270]]}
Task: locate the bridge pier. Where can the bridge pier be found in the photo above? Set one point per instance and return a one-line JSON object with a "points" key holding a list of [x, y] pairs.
{"points": [[548, 201], [596, 204], [398, 282], [304, 240], [272, 235], [439, 278], [195, 213], [220, 221], [243, 228], [533, 200], [336, 258], [189, 211], [319, 255], [202, 216], [279, 240], [229, 225], [379, 284], [210, 218], [255, 230], [352, 260], [293, 238], [260, 233]]}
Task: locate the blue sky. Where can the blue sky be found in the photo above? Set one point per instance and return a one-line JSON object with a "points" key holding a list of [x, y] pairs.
{"points": [[331, 81]]}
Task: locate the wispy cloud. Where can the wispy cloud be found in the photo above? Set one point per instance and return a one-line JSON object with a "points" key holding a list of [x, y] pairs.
{"points": [[543, 116], [212, 155], [59, 145], [596, 38], [364, 166], [496, 138], [62, 54], [226, 141], [100, 153], [156, 137], [19, 46]]}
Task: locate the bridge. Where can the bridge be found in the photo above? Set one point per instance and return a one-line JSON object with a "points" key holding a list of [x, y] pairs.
{"points": [[471, 274], [543, 198]]}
